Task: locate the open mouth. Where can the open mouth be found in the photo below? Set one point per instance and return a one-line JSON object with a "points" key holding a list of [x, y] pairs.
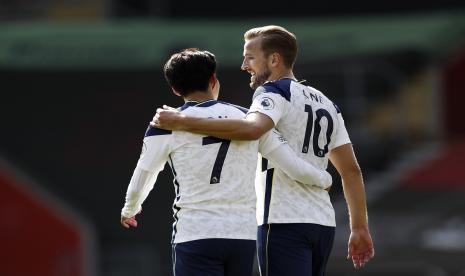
{"points": [[252, 75]]}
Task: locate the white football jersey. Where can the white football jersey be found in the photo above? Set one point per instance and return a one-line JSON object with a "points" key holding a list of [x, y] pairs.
{"points": [[313, 126], [213, 178]]}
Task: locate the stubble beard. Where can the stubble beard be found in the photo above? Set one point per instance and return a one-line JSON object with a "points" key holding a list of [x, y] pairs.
{"points": [[260, 79]]}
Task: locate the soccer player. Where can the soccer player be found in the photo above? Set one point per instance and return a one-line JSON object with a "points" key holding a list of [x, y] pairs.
{"points": [[214, 231], [297, 222]]}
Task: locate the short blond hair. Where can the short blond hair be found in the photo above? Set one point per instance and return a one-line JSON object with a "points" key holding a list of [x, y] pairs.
{"points": [[276, 39]]}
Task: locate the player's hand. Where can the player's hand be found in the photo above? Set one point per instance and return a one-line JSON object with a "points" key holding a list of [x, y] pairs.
{"points": [[167, 118], [327, 181], [361, 249], [128, 222]]}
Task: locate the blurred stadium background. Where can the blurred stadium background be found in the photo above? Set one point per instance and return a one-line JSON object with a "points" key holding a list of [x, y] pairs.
{"points": [[81, 79]]}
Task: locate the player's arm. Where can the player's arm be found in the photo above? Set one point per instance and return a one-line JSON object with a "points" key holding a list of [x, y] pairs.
{"points": [[141, 183], [290, 163], [361, 248], [152, 160], [251, 127], [264, 114]]}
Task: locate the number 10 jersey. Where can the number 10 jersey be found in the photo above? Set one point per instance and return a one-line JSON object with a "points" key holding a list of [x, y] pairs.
{"points": [[313, 126]]}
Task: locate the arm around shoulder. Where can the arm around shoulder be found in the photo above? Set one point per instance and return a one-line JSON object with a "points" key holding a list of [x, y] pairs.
{"points": [[250, 128]]}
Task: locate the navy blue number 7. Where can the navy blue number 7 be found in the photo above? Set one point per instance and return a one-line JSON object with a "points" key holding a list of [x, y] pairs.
{"points": [[218, 166], [320, 113]]}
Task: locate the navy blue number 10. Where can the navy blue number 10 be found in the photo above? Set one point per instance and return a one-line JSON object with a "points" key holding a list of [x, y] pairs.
{"points": [[320, 113]]}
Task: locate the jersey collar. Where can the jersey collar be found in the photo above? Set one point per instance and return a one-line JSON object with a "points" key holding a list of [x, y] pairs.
{"points": [[198, 104]]}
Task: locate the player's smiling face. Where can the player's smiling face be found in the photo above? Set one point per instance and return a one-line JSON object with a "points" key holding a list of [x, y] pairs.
{"points": [[255, 63]]}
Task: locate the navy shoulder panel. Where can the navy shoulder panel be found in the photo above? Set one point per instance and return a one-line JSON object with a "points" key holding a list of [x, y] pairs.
{"points": [[153, 131], [281, 87]]}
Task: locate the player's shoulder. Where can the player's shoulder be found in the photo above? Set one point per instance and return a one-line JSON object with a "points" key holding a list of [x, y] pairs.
{"points": [[154, 131], [314, 92], [234, 106], [211, 107], [281, 87]]}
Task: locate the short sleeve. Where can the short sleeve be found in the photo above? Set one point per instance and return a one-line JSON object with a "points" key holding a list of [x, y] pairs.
{"points": [[271, 104], [342, 137]]}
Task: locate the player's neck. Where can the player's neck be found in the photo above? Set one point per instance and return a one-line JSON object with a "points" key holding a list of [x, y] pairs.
{"points": [[282, 74], [199, 96]]}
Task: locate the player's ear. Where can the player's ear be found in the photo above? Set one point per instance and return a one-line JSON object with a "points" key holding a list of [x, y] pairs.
{"points": [[275, 59], [176, 92], [213, 81]]}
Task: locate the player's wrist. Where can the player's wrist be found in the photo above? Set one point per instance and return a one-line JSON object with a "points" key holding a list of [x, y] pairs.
{"points": [[182, 123], [327, 180], [129, 213], [359, 228]]}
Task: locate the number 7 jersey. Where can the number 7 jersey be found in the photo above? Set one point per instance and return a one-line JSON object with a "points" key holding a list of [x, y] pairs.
{"points": [[213, 178], [313, 126]]}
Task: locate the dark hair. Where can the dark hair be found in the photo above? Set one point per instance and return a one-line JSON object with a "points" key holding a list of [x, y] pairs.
{"points": [[190, 70], [276, 39]]}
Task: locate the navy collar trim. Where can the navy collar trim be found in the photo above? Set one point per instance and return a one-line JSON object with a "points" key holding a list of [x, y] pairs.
{"points": [[197, 104]]}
